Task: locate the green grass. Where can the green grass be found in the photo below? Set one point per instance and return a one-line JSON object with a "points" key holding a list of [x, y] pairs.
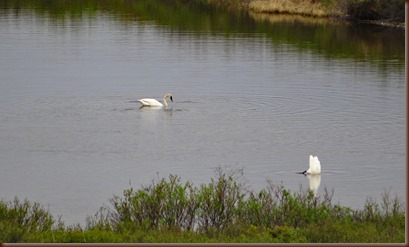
{"points": [[386, 10], [223, 210]]}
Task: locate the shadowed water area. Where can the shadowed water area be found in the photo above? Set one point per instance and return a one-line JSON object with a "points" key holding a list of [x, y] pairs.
{"points": [[256, 92]]}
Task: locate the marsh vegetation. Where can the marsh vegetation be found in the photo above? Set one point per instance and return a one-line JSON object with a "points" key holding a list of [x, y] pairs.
{"points": [[385, 10], [223, 210]]}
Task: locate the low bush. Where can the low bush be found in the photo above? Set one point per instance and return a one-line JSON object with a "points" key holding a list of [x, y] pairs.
{"points": [[23, 221], [223, 210], [165, 204]]}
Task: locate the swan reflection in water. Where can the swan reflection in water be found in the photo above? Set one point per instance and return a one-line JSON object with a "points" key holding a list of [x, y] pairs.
{"points": [[156, 112], [149, 108], [315, 181], [168, 110]]}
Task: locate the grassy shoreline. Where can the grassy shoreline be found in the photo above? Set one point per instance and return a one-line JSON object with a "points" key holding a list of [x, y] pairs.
{"points": [[224, 210], [389, 13]]}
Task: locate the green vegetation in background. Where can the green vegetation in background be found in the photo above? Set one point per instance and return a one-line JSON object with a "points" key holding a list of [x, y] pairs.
{"points": [[389, 10], [385, 10], [223, 210], [366, 43]]}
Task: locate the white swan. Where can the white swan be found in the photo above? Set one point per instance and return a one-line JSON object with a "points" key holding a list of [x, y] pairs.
{"points": [[154, 102], [315, 166]]}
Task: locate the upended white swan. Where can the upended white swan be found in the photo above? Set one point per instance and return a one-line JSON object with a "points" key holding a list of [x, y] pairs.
{"points": [[154, 102], [315, 166]]}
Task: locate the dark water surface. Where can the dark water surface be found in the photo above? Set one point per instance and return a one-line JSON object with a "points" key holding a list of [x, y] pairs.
{"points": [[251, 92]]}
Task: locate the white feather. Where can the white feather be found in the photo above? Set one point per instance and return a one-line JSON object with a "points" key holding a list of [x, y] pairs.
{"points": [[154, 102], [315, 165]]}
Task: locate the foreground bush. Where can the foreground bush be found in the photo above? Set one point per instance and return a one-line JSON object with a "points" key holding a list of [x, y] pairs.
{"points": [[23, 221], [223, 210]]}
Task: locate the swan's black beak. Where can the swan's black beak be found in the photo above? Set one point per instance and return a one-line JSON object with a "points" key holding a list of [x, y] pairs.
{"points": [[304, 172], [171, 98]]}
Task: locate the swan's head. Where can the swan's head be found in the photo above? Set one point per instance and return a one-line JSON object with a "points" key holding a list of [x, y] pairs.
{"points": [[169, 96]]}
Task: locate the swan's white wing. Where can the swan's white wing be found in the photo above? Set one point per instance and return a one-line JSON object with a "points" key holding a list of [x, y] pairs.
{"points": [[150, 102]]}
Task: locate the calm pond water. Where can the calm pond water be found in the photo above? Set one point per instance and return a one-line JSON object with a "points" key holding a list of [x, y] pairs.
{"points": [[251, 92]]}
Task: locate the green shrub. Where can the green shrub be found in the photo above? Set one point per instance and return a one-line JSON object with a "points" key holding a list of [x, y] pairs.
{"points": [[218, 201], [223, 210], [20, 221], [163, 204]]}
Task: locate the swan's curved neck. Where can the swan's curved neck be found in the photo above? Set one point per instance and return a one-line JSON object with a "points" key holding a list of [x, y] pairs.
{"points": [[164, 101]]}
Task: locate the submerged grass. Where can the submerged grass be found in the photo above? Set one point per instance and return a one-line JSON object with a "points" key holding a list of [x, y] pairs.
{"points": [[223, 210]]}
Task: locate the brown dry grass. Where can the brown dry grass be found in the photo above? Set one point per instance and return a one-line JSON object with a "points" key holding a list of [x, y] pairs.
{"points": [[287, 18], [300, 7]]}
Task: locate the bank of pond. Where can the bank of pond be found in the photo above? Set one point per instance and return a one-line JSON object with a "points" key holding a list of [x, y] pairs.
{"points": [[327, 34], [381, 12], [223, 210]]}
